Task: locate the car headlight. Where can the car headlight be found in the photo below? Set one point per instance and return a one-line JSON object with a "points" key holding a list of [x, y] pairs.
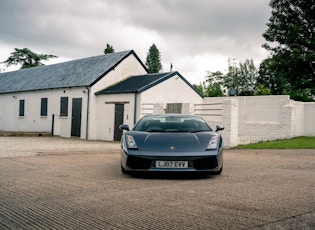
{"points": [[131, 144], [213, 143]]}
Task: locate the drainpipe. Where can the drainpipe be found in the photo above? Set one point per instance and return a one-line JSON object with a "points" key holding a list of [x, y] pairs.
{"points": [[135, 110], [53, 124], [87, 113]]}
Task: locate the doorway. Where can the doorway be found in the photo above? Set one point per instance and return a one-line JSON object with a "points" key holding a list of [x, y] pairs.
{"points": [[119, 119], [76, 117]]}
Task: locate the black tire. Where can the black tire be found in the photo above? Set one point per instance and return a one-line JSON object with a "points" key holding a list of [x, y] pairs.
{"points": [[123, 170], [218, 172]]}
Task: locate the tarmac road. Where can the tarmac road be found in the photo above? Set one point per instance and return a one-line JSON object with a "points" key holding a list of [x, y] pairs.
{"points": [[58, 183]]}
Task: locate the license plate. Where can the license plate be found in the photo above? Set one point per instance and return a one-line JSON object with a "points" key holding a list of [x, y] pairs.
{"points": [[171, 164]]}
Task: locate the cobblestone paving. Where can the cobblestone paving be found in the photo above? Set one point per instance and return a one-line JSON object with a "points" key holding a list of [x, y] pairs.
{"points": [[78, 185]]}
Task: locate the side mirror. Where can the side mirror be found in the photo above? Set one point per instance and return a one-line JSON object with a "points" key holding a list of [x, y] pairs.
{"points": [[219, 127], [124, 127]]}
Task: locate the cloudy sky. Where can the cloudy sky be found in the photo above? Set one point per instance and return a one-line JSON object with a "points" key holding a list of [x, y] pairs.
{"points": [[195, 35]]}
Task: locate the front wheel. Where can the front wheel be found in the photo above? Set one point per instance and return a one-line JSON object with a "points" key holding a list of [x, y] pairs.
{"points": [[218, 172], [124, 171]]}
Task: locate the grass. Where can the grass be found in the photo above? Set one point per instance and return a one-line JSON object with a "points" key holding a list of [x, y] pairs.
{"points": [[294, 143]]}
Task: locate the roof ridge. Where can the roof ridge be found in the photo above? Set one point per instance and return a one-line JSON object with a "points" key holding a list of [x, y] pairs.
{"points": [[157, 80], [74, 73], [67, 62]]}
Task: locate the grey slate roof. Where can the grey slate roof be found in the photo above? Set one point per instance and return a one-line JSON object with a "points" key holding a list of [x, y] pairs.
{"points": [[82, 72], [140, 83]]}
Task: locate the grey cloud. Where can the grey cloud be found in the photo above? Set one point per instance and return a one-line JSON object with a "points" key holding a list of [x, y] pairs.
{"points": [[202, 24], [76, 28], [199, 17]]}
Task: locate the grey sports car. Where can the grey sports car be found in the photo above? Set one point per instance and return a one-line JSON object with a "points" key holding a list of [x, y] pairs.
{"points": [[172, 143]]}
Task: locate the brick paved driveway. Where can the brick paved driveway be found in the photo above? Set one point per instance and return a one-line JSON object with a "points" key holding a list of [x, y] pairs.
{"points": [[78, 185]]}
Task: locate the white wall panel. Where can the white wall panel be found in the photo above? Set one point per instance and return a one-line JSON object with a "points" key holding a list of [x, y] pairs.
{"points": [[32, 121]]}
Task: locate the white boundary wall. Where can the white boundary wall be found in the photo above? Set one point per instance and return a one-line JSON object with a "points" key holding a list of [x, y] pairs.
{"points": [[258, 118]]}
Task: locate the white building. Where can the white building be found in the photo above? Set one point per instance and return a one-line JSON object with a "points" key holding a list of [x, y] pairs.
{"points": [[90, 97]]}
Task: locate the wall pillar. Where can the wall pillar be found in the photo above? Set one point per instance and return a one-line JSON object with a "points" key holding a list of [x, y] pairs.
{"points": [[188, 108], [230, 122], [158, 108], [288, 120]]}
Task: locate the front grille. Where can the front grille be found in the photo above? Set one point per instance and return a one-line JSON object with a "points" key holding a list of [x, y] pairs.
{"points": [[203, 163], [206, 163], [135, 162]]}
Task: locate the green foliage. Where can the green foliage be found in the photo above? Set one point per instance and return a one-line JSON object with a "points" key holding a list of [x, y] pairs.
{"points": [[214, 90], [109, 49], [262, 90], [26, 58], [153, 61], [291, 67], [294, 143], [305, 95], [209, 90], [276, 83], [200, 88], [241, 78], [212, 85]]}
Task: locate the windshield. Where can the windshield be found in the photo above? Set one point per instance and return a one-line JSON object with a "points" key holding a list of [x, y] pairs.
{"points": [[174, 123]]}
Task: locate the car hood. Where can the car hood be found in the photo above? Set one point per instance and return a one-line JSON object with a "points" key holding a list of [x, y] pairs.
{"points": [[172, 141]]}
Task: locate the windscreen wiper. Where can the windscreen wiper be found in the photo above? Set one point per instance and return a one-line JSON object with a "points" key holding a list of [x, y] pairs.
{"points": [[199, 131], [155, 131]]}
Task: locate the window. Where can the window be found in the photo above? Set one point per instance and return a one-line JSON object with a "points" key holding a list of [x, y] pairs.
{"points": [[174, 108], [21, 108], [64, 106], [43, 107]]}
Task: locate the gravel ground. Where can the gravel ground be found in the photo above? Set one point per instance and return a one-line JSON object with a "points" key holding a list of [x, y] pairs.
{"points": [[32, 146], [60, 183]]}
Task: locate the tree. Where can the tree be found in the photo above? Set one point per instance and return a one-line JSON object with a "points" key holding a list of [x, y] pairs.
{"points": [[291, 67], [209, 90], [214, 90], [26, 58], [153, 61], [212, 84], [109, 49], [247, 77], [200, 88], [241, 78], [277, 84]]}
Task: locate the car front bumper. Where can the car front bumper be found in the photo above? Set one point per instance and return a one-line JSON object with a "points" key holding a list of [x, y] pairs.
{"points": [[139, 161]]}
